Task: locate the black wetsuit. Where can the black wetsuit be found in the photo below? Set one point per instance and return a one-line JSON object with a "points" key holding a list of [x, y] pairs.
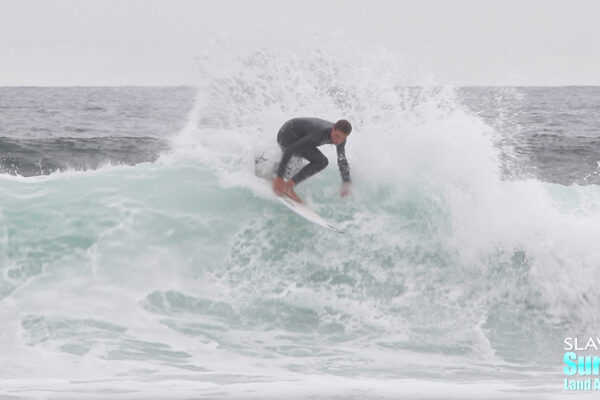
{"points": [[301, 136]]}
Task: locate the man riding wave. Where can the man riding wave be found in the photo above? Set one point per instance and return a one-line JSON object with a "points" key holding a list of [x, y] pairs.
{"points": [[300, 137]]}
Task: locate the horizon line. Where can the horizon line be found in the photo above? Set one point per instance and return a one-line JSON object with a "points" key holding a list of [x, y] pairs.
{"points": [[195, 86]]}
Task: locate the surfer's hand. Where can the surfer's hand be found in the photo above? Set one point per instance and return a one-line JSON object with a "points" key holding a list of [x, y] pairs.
{"points": [[345, 189], [278, 186]]}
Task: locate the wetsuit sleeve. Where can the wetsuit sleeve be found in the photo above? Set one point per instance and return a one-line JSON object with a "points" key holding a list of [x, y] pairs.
{"points": [[343, 162], [289, 151]]}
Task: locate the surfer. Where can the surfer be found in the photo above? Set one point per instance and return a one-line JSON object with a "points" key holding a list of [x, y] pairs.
{"points": [[300, 137]]}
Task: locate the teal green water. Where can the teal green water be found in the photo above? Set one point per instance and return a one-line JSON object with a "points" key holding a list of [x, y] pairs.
{"points": [[159, 268]]}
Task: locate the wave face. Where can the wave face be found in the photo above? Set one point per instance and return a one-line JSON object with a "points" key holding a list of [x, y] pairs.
{"points": [[182, 277]]}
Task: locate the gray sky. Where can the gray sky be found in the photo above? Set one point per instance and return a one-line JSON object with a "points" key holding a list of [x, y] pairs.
{"points": [[155, 42]]}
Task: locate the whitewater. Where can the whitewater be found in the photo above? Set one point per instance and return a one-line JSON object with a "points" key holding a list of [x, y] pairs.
{"points": [[164, 268]]}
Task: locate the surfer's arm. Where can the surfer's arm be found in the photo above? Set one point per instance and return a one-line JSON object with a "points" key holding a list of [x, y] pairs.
{"points": [[344, 169], [343, 163]]}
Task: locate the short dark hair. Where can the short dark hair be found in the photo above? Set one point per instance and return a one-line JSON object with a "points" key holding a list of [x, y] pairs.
{"points": [[344, 126]]}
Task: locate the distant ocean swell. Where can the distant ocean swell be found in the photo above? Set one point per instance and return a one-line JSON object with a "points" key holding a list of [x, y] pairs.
{"points": [[31, 157]]}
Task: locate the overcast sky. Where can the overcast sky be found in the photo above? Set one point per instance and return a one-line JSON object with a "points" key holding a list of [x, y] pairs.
{"points": [[156, 42]]}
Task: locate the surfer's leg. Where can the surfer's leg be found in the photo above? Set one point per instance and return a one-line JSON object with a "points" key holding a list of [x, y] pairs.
{"points": [[317, 161], [293, 166]]}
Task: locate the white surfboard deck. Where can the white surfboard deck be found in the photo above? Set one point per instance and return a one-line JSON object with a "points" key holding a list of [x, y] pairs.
{"points": [[265, 169], [308, 213]]}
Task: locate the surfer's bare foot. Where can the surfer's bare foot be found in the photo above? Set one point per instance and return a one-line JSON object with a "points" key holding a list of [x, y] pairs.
{"points": [[289, 191], [283, 188], [279, 186], [292, 195]]}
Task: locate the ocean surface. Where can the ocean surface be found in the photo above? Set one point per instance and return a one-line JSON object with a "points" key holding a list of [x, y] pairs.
{"points": [[140, 258]]}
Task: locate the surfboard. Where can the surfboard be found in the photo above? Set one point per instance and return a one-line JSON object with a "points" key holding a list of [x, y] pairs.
{"points": [[265, 169], [308, 213]]}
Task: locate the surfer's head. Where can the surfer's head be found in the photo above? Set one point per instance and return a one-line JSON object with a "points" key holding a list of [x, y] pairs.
{"points": [[340, 131]]}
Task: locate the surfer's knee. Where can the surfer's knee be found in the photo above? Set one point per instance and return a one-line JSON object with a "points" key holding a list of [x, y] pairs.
{"points": [[322, 162]]}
